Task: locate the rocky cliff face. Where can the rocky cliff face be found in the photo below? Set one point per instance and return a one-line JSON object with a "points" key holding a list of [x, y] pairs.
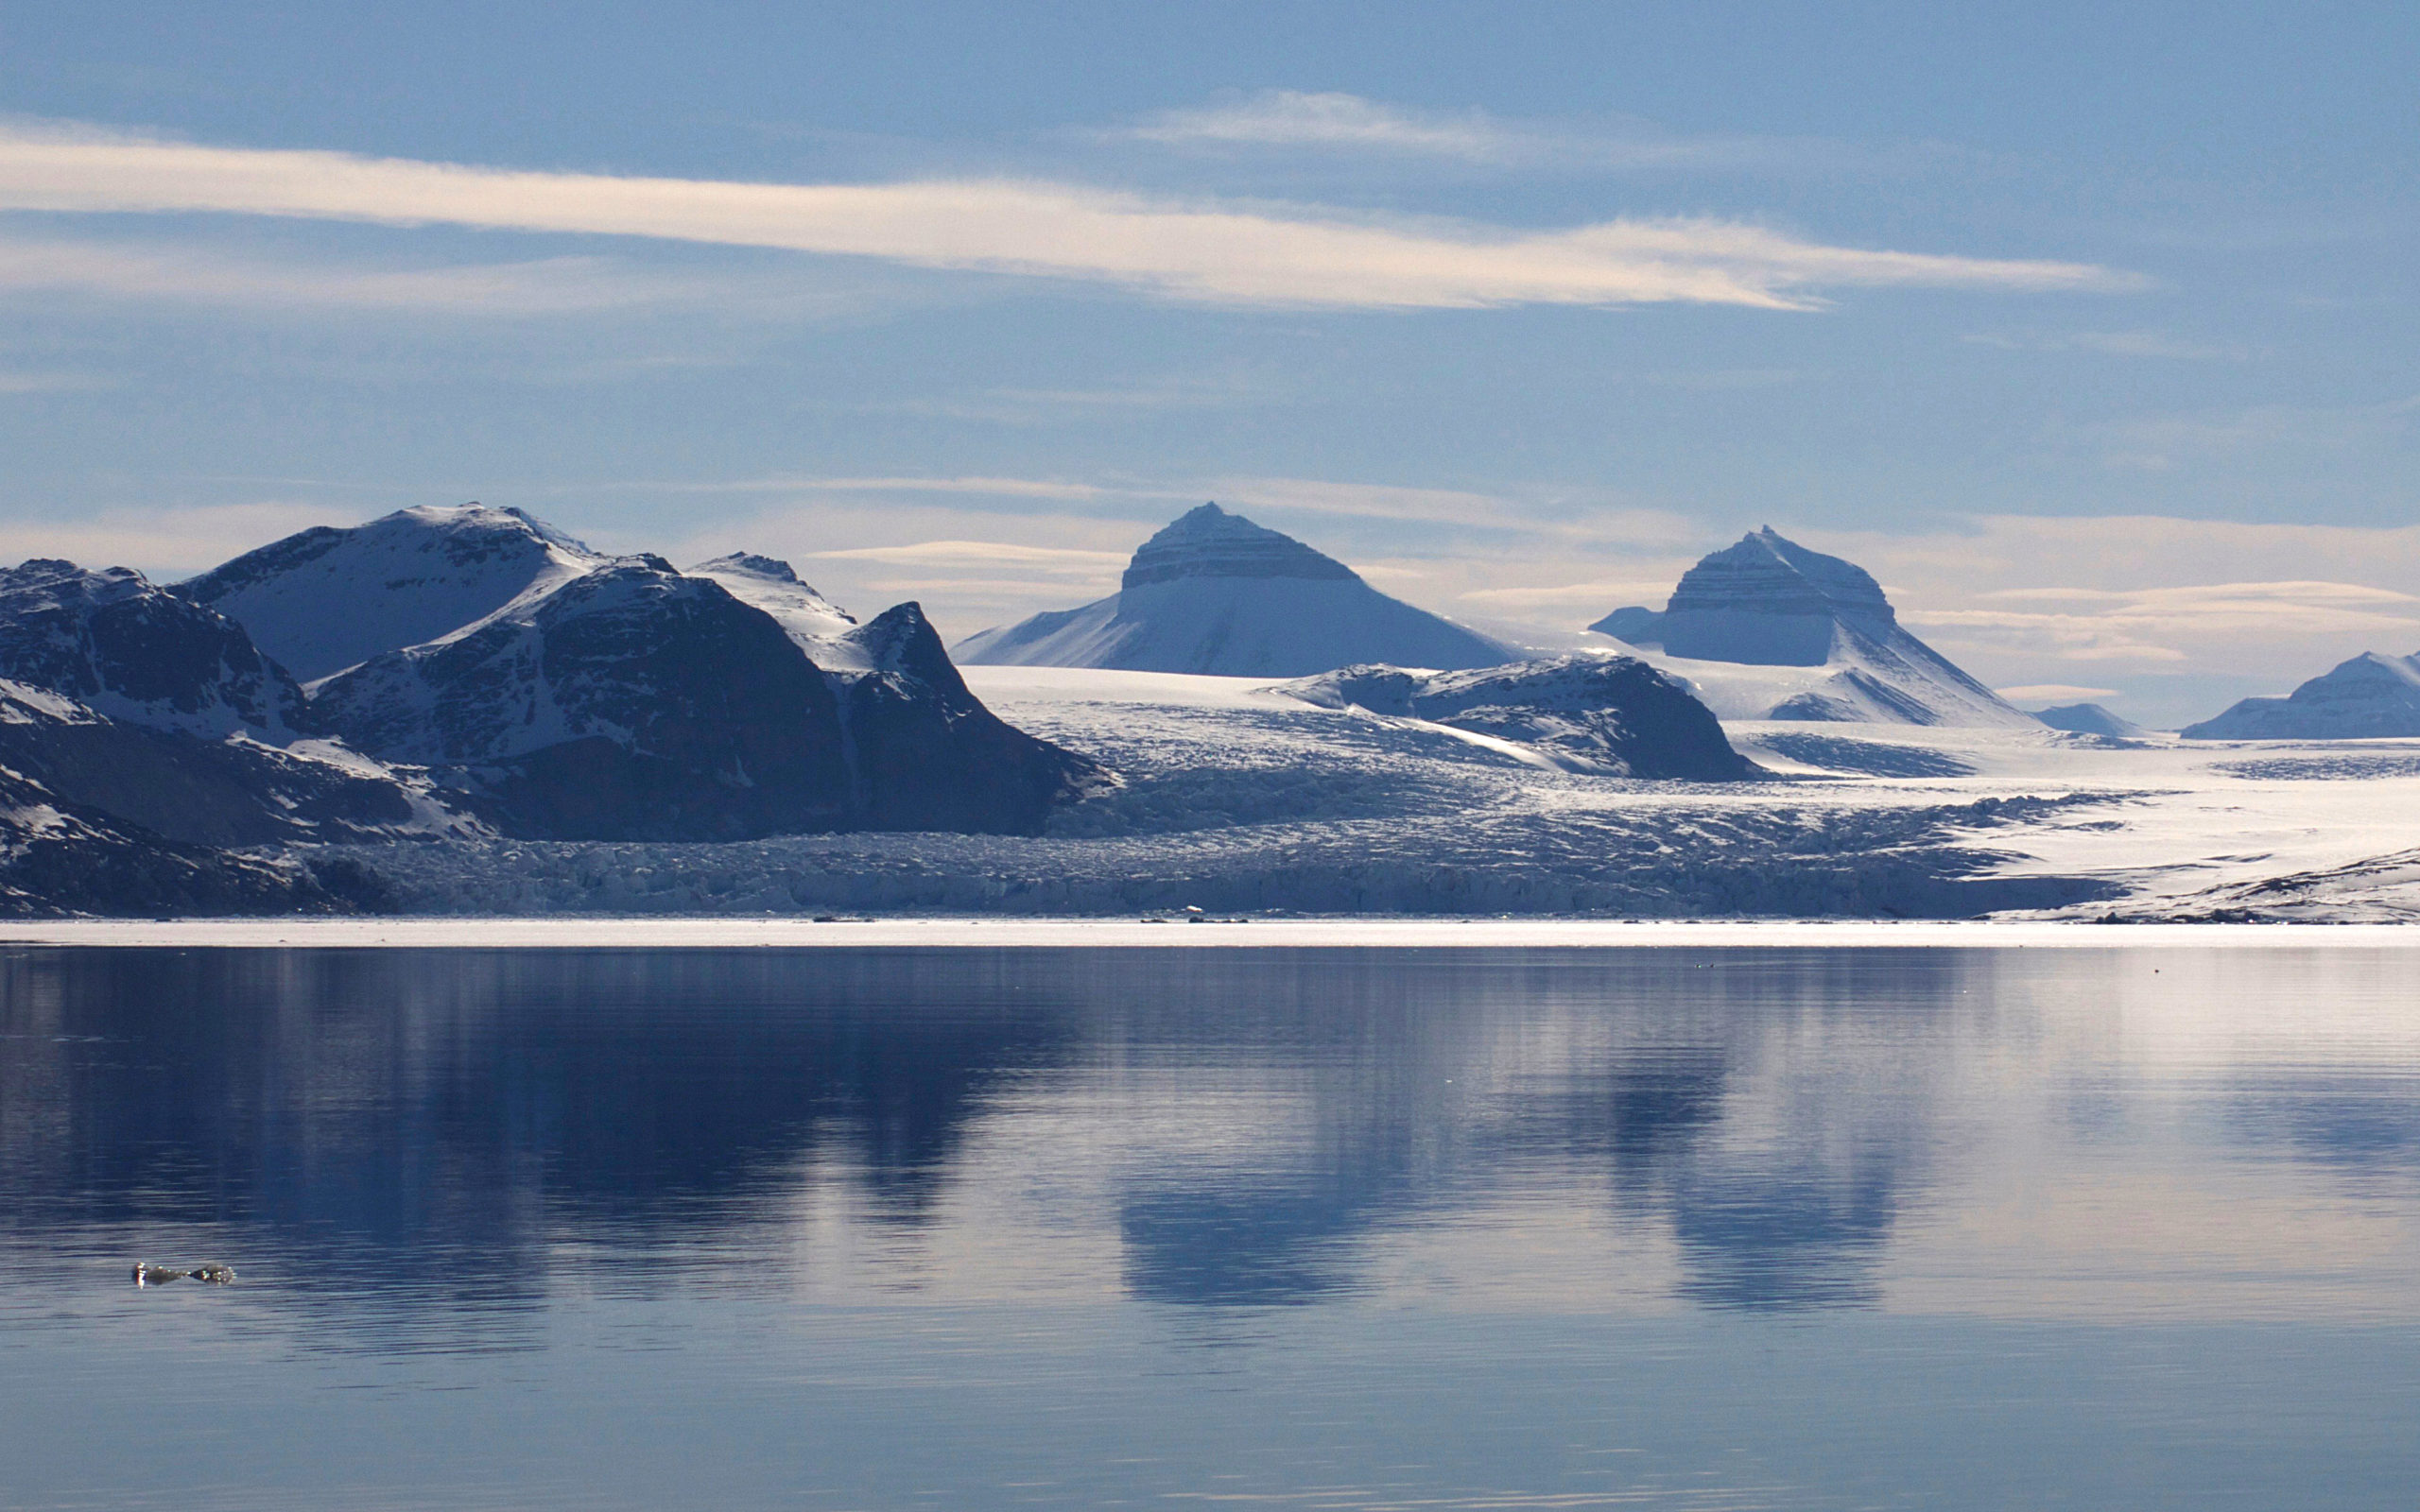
{"points": [[1214, 592], [1766, 601], [632, 702], [1610, 716], [115, 644], [2368, 698], [638, 702], [924, 750], [327, 598]]}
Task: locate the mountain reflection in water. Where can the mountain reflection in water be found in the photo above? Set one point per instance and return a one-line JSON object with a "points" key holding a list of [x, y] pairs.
{"points": [[419, 1146]]}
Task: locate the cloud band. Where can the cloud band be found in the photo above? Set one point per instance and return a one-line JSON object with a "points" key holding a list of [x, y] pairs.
{"points": [[1208, 251]]}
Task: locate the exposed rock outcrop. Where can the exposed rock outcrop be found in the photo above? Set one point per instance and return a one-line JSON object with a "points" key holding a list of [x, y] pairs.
{"points": [[1613, 716], [115, 644]]}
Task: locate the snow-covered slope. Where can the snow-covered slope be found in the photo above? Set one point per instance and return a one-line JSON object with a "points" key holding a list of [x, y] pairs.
{"points": [[117, 645], [816, 624], [1822, 640], [327, 598], [1612, 715], [2367, 696], [1215, 593], [2088, 719]]}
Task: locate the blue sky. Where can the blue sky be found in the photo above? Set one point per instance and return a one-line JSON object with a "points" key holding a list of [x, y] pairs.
{"points": [[2092, 335]]}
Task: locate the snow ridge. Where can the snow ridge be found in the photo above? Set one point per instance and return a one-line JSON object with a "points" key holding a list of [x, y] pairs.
{"points": [[330, 598]]}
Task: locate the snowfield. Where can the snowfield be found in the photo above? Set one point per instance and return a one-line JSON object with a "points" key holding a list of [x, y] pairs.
{"points": [[1238, 800]]}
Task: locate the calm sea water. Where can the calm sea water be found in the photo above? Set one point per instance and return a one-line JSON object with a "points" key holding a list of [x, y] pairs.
{"points": [[1692, 1228]]}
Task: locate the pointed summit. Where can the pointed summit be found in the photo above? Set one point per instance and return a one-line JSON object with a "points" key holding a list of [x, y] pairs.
{"points": [[1214, 592], [1210, 542]]}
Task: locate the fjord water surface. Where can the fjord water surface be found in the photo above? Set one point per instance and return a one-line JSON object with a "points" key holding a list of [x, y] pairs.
{"points": [[826, 1228]]}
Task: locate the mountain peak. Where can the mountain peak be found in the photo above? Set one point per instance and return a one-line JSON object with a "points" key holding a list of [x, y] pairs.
{"points": [[1207, 542], [326, 598], [1767, 573], [748, 562]]}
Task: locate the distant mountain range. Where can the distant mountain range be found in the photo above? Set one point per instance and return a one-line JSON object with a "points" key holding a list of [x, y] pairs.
{"points": [[1214, 592]]}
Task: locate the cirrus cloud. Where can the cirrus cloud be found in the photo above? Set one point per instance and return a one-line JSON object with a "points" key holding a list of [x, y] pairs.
{"points": [[1202, 250]]}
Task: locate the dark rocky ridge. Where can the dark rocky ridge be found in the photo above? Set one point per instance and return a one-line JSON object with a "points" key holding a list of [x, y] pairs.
{"points": [[116, 644], [1611, 715], [637, 703]]}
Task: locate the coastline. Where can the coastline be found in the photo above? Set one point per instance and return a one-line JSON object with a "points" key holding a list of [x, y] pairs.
{"points": [[1129, 933]]}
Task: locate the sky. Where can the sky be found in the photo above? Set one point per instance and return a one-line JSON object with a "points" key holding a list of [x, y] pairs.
{"points": [[2089, 330]]}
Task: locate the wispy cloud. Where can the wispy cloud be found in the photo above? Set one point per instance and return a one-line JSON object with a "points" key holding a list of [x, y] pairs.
{"points": [[2114, 344], [2053, 692], [1333, 122], [49, 383], [2158, 444], [165, 544], [989, 555], [537, 287], [1210, 251], [1042, 407]]}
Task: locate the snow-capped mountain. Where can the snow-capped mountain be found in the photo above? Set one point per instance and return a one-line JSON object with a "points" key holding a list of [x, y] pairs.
{"points": [[637, 702], [2088, 719], [1610, 716], [119, 646], [2370, 696], [141, 735], [1214, 592], [327, 598], [628, 702], [1821, 638]]}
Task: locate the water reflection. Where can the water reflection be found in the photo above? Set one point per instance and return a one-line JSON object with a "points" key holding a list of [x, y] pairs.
{"points": [[392, 1141]]}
